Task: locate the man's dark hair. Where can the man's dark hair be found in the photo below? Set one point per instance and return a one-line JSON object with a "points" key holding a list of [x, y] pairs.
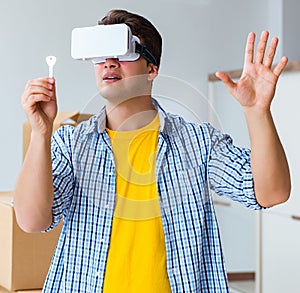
{"points": [[140, 27]]}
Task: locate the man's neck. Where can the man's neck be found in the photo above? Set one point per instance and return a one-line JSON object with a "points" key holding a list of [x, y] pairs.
{"points": [[131, 114]]}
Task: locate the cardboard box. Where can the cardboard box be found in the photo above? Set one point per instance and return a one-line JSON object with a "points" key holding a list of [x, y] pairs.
{"points": [[25, 258], [62, 118]]}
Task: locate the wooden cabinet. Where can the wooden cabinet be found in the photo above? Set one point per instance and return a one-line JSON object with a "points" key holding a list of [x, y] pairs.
{"points": [[238, 235], [280, 253], [280, 225]]}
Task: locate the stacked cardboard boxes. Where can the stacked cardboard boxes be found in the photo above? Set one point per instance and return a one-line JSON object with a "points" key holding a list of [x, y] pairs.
{"points": [[25, 258]]}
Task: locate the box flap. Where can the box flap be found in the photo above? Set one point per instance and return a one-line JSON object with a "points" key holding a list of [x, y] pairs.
{"points": [[63, 116], [83, 117], [6, 198]]}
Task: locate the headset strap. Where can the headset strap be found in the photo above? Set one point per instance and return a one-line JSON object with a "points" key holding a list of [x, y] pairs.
{"points": [[142, 49]]}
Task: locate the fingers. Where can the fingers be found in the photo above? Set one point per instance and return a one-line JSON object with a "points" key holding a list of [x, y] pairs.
{"points": [[280, 66], [261, 47], [249, 50], [263, 55], [260, 57], [271, 53], [38, 90]]}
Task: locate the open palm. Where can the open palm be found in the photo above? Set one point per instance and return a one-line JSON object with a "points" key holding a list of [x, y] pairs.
{"points": [[257, 84]]}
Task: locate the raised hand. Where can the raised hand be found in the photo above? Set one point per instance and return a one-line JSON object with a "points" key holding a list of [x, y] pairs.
{"points": [[39, 104], [257, 84]]}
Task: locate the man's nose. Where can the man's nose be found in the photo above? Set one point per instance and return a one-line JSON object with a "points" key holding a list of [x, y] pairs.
{"points": [[112, 63]]}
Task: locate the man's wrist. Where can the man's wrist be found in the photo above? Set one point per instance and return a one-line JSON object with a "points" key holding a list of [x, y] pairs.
{"points": [[255, 111]]}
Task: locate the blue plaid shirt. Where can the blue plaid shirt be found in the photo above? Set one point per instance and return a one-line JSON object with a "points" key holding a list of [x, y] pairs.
{"points": [[191, 160]]}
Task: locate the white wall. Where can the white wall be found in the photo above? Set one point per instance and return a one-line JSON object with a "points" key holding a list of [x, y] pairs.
{"points": [[291, 29], [200, 36]]}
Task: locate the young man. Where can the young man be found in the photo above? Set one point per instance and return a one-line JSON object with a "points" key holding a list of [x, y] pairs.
{"points": [[132, 183]]}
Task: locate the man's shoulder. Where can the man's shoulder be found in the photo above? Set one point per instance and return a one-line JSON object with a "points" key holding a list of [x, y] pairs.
{"points": [[72, 131], [180, 125]]}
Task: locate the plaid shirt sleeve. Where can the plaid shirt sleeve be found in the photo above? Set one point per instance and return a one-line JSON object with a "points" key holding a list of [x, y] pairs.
{"points": [[229, 170], [62, 173]]}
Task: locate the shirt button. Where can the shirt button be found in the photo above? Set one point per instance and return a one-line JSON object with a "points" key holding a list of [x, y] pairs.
{"points": [[107, 206], [102, 240], [98, 274]]}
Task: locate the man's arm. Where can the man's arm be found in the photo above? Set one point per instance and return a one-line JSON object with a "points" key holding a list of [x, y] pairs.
{"points": [[255, 91], [33, 195]]}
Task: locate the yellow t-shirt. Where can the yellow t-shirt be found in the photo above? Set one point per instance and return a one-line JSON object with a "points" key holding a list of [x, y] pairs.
{"points": [[137, 255]]}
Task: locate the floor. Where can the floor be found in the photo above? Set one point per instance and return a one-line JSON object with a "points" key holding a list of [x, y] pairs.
{"points": [[2, 290], [235, 287], [242, 287]]}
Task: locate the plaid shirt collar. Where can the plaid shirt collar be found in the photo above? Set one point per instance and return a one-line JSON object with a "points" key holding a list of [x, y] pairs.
{"points": [[99, 124]]}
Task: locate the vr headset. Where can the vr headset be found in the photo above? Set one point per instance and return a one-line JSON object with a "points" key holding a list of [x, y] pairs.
{"points": [[100, 42]]}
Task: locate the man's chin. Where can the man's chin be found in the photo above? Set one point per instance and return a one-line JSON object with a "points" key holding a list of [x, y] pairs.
{"points": [[117, 95], [114, 95]]}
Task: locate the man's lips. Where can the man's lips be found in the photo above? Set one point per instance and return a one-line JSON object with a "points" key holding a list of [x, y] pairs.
{"points": [[111, 77]]}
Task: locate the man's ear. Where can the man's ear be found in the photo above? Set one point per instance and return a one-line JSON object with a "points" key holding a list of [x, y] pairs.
{"points": [[153, 71]]}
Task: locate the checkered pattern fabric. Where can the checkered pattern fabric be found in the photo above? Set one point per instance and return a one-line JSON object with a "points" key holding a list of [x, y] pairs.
{"points": [[192, 159]]}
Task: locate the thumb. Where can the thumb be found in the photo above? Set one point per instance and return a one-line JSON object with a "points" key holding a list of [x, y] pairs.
{"points": [[228, 82]]}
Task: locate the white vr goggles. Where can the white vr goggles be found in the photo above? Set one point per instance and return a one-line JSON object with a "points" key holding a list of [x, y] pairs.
{"points": [[100, 42]]}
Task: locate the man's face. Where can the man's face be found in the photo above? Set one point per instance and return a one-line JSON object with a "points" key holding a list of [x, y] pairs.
{"points": [[121, 80]]}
